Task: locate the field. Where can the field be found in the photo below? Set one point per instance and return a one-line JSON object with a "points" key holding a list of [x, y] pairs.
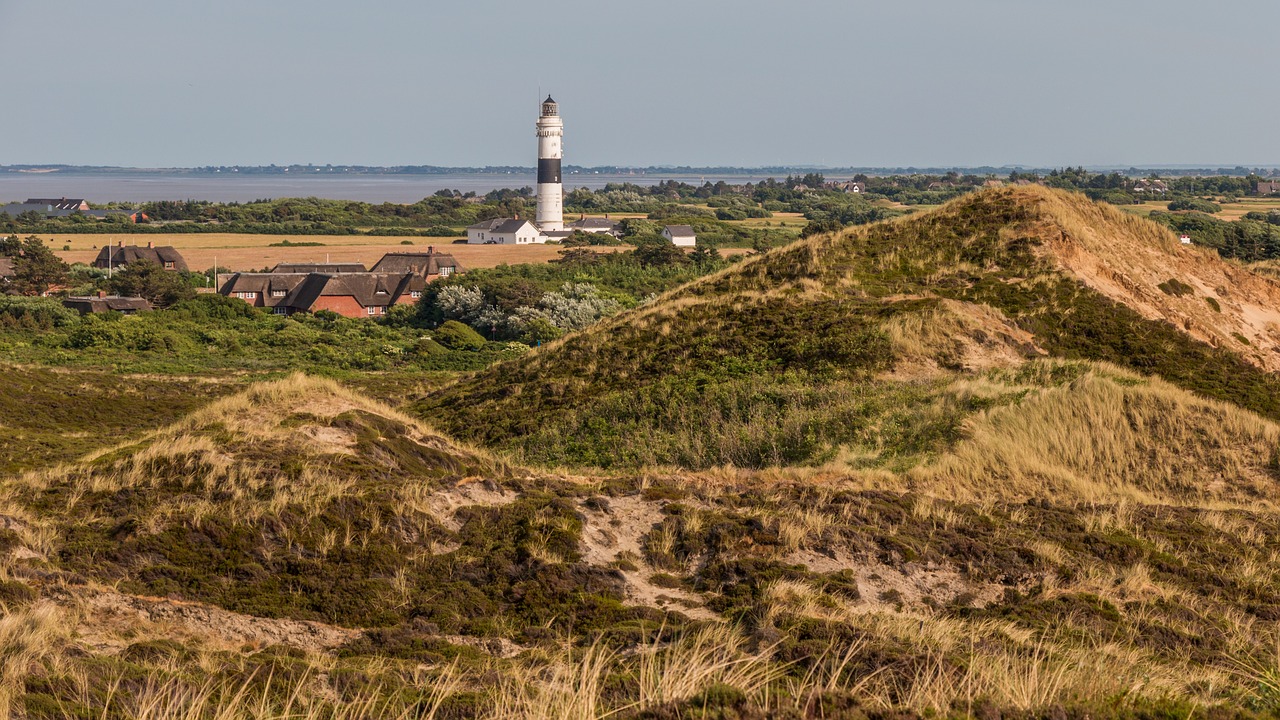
{"points": [[1230, 211], [250, 252]]}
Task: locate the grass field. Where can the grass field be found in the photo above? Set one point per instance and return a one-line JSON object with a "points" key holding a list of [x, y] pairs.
{"points": [[1230, 211], [249, 252]]}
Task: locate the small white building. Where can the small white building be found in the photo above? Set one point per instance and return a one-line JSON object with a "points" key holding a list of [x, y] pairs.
{"points": [[680, 235], [504, 231]]}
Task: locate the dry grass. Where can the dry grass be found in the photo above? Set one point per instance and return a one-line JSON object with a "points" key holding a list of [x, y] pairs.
{"points": [[27, 637], [1110, 436], [226, 455], [250, 252]]}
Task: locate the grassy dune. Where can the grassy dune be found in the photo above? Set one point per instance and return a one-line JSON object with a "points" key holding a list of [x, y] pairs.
{"points": [[943, 466], [837, 341]]}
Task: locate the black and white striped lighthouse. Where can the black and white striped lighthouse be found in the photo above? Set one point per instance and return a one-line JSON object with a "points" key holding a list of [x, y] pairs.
{"points": [[550, 215]]}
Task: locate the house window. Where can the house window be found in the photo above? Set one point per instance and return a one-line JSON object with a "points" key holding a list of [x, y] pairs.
{"points": [[371, 309], [415, 293], [168, 265], [278, 293], [280, 310], [446, 270], [247, 295]]}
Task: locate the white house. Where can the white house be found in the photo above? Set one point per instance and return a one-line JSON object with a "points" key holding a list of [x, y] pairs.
{"points": [[680, 235], [504, 231]]}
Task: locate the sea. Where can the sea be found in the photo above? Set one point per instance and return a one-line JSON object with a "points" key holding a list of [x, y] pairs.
{"points": [[233, 187]]}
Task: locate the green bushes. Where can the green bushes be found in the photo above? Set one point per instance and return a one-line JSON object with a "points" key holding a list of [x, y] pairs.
{"points": [[1195, 204], [35, 313], [456, 336]]}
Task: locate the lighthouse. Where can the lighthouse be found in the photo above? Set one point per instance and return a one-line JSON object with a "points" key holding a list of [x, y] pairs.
{"points": [[550, 216]]}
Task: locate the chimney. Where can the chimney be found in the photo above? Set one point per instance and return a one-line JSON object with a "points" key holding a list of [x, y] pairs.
{"points": [[102, 293], [120, 243], [150, 244], [431, 249]]}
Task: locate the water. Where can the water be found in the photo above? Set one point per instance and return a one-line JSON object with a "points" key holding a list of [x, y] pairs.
{"points": [[232, 187]]}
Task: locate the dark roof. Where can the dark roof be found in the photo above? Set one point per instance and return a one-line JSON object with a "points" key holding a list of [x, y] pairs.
{"points": [[679, 230], [15, 209], [85, 305], [594, 224], [510, 225], [125, 254], [263, 284], [6, 268], [376, 289], [319, 267], [548, 100], [487, 224], [427, 263], [58, 203]]}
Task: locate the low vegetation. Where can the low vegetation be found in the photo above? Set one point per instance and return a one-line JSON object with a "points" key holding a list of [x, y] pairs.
{"points": [[940, 466]]}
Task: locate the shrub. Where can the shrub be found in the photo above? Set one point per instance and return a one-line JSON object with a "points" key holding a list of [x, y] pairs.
{"points": [[1195, 204], [35, 313], [1175, 287], [456, 336]]}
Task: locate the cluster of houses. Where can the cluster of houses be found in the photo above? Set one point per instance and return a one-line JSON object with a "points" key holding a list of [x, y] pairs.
{"points": [[348, 289]]}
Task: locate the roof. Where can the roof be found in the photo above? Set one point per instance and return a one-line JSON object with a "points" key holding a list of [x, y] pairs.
{"points": [[594, 224], [487, 224], [124, 254], [548, 100], [425, 263], [319, 267], [263, 284], [680, 231], [510, 225], [368, 289], [58, 203], [6, 267], [103, 304], [302, 290]]}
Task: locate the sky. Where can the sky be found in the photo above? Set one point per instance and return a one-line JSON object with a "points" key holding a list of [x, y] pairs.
{"points": [[748, 83]]}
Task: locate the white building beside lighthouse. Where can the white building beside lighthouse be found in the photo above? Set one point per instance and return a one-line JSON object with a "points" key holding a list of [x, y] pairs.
{"points": [[550, 214]]}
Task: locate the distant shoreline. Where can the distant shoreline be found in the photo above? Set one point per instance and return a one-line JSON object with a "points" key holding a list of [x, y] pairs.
{"points": [[617, 170]]}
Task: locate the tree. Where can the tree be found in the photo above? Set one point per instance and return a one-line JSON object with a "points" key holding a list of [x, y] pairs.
{"points": [[36, 270], [147, 280], [658, 252], [704, 255]]}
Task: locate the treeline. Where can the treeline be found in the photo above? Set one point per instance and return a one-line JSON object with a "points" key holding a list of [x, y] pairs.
{"points": [[1256, 236]]}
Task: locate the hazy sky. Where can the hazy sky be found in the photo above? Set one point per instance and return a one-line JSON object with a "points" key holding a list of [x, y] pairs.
{"points": [[691, 82]]}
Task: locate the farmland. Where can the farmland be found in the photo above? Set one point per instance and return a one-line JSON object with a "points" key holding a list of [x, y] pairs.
{"points": [[236, 251]]}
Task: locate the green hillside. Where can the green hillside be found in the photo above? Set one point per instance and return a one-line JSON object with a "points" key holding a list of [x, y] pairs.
{"points": [[843, 342]]}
